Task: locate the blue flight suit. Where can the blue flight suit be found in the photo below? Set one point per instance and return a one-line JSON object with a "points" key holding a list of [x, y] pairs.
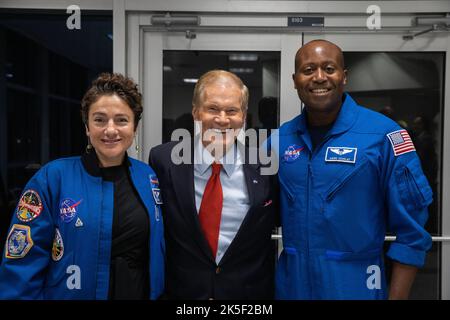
{"points": [[59, 243], [338, 202]]}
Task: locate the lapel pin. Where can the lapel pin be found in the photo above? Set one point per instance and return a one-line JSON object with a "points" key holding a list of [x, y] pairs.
{"points": [[267, 203], [255, 181]]}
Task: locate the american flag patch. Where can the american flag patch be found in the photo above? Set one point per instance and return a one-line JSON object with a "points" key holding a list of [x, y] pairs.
{"points": [[401, 142]]}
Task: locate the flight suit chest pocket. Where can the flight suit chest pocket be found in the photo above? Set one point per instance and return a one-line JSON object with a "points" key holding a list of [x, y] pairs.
{"points": [[290, 216], [287, 191], [346, 201], [343, 180], [413, 186]]}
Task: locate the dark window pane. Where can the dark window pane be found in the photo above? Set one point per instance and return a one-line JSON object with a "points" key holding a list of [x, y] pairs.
{"points": [[66, 129], [46, 68], [23, 128], [20, 64]]}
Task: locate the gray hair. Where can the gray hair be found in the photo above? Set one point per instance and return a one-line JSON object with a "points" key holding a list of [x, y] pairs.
{"points": [[215, 76]]}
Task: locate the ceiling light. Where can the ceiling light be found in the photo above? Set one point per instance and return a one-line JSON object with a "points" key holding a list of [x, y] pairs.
{"points": [[190, 80], [170, 20], [243, 57], [242, 70]]}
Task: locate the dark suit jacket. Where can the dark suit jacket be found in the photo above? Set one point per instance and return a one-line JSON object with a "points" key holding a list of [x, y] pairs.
{"points": [[246, 270]]}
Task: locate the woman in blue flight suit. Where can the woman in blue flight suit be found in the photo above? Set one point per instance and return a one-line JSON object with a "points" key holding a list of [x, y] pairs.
{"points": [[90, 227]]}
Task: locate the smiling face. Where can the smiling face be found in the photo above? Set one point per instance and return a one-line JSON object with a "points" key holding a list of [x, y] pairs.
{"points": [[111, 129], [320, 77], [220, 112]]}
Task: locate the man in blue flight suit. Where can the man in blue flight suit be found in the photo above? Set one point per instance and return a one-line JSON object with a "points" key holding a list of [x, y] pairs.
{"points": [[347, 176]]}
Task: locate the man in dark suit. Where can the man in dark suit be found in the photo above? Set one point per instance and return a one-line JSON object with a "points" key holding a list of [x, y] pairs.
{"points": [[219, 211]]}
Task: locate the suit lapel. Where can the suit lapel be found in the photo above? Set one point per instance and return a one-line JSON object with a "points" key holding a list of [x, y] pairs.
{"points": [[251, 173], [255, 190], [182, 177], [254, 182]]}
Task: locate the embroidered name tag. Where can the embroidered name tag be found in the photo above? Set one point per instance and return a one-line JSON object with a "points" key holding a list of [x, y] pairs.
{"points": [[341, 154]]}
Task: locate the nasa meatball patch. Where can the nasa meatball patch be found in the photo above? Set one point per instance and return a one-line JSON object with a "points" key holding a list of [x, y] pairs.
{"points": [[292, 153], [68, 209]]}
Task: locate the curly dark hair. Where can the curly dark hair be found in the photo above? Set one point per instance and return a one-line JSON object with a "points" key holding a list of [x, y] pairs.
{"points": [[109, 84]]}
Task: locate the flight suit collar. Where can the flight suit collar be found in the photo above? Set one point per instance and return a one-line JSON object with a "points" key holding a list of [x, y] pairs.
{"points": [[91, 163], [346, 118], [344, 121]]}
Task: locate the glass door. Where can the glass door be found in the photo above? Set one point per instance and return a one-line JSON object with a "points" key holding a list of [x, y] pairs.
{"points": [[173, 62]]}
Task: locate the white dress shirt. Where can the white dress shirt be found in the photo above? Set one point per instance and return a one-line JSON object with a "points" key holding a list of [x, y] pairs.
{"points": [[236, 201]]}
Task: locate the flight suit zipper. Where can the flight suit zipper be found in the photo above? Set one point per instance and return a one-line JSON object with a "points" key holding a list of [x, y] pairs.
{"points": [[308, 190], [307, 218]]}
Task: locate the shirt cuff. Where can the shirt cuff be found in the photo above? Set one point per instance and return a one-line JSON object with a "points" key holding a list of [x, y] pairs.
{"points": [[406, 255]]}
